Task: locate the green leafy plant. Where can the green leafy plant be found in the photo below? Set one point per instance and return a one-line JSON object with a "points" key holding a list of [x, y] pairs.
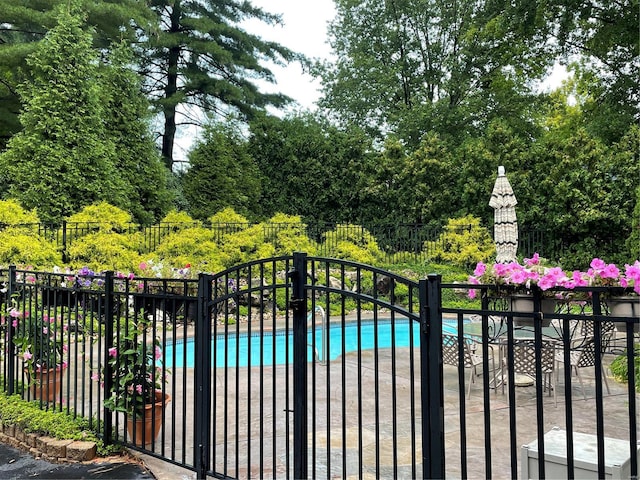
{"points": [[463, 243], [12, 213], [619, 367], [20, 246], [136, 368], [352, 242], [53, 422], [39, 339]]}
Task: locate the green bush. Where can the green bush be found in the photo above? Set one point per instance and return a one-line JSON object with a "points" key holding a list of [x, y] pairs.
{"points": [[352, 242], [107, 251], [21, 247], [181, 220], [109, 217], [463, 243], [227, 221], [12, 213], [228, 215], [288, 235], [621, 372], [195, 246], [248, 244], [57, 424]]}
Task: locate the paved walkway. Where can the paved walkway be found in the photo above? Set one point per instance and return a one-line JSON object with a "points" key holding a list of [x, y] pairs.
{"points": [[19, 465]]}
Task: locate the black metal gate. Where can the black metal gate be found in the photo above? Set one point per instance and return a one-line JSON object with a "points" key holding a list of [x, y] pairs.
{"points": [[299, 386]]}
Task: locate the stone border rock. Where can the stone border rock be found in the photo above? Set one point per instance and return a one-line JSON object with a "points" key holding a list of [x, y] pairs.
{"points": [[48, 448]]}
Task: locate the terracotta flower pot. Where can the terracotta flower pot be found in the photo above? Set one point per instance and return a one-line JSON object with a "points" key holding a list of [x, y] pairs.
{"points": [[47, 384], [144, 430]]}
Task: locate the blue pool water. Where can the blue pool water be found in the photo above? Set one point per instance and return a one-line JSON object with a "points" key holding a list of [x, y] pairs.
{"points": [[243, 349]]}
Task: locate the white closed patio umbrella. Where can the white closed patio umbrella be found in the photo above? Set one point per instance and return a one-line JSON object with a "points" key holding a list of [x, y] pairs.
{"points": [[505, 224]]}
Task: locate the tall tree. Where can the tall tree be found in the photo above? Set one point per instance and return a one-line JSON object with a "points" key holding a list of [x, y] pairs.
{"points": [[309, 167], [63, 158], [221, 174], [602, 39], [199, 56], [25, 23], [127, 120], [411, 66]]}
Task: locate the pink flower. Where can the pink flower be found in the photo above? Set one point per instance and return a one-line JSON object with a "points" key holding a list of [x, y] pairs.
{"points": [[610, 271], [95, 377], [597, 264], [143, 266], [480, 269], [14, 323], [113, 352], [139, 389], [534, 260], [27, 355], [45, 330], [158, 353], [633, 271], [65, 348], [14, 313]]}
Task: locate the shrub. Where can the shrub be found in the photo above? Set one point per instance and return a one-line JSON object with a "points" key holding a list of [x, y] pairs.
{"points": [[248, 244], [178, 218], [463, 243], [107, 251], [19, 246], [227, 221], [621, 372], [12, 213], [194, 246], [288, 234], [352, 242], [109, 217]]}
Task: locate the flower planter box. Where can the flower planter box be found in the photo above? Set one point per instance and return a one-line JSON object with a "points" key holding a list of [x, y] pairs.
{"points": [[524, 304], [627, 306]]}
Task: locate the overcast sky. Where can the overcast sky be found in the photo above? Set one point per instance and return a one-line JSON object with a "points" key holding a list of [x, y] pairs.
{"points": [[304, 31]]}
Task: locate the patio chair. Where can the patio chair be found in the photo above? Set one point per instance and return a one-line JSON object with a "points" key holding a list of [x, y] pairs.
{"points": [[471, 359], [584, 353], [524, 362]]}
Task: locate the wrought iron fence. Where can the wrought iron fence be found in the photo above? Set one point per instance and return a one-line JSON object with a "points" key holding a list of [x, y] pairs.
{"points": [[397, 242], [302, 366]]}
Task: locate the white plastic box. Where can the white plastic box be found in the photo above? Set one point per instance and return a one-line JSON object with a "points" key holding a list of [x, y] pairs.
{"points": [[585, 457]]}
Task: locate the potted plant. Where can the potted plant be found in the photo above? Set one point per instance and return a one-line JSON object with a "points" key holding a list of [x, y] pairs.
{"points": [[515, 282], [39, 338], [514, 278], [137, 383], [620, 303]]}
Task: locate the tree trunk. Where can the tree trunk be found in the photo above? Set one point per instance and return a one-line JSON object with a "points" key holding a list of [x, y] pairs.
{"points": [[171, 88]]}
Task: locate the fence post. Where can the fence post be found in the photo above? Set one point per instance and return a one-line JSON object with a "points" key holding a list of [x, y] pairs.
{"points": [[65, 256], [202, 376], [432, 391], [11, 359], [299, 305], [108, 343]]}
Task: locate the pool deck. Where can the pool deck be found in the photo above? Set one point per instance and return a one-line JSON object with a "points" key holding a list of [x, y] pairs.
{"points": [[616, 421]]}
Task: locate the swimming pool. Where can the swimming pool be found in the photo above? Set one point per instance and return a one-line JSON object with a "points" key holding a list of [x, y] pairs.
{"points": [[274, 348]]}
